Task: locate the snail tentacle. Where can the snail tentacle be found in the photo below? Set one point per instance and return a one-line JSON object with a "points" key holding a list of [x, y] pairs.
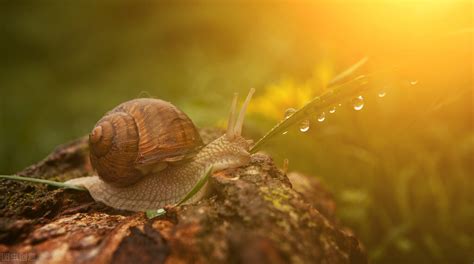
{"points": [[232, 117], [240, 119]]}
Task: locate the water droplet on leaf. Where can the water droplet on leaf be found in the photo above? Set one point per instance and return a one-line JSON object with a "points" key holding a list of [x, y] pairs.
{"points": [[332, 110], [321, 117], [358, 103], [284, 133], [304, 126], [414, 82], [289, 112], [381, 94]]}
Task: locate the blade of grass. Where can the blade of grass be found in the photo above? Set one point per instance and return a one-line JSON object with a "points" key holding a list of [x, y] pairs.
{"points": [[336, 95], [150, 214], [196, 188], [48, 182], [348, 72]]}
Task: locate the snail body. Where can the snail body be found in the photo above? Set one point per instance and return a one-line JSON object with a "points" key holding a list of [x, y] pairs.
{"points": [[148, 154]]}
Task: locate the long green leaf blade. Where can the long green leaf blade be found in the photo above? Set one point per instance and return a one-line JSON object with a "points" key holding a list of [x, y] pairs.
{"points": [[341, 77], [48, 182], [150, 214], [336, 95], [197, 187]]}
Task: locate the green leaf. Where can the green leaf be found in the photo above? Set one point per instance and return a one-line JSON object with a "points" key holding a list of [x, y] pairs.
{"points": [[48, 182], [150, 214], [336, 95], [197, 187], [341, 77]]}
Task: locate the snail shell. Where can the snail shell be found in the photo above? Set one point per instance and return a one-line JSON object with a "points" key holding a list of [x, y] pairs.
{"points": [[139, 137]]}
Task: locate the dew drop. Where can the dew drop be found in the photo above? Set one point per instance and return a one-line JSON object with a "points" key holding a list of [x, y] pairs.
{"points": [[382, 94], [321, 117], [358, 103], [304, 126], [332, 110], [289, 112], [414, 82], [284, 133]]}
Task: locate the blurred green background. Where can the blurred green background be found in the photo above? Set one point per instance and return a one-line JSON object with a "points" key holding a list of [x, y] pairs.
{"points": [[400, 169]]}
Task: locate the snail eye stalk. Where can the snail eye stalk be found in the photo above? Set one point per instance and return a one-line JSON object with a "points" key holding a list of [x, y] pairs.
{"points": [[240, 120], [232, 117]]}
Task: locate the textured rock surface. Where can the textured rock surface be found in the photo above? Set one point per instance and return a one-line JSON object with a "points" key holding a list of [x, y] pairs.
{"points": [[253, 216]]}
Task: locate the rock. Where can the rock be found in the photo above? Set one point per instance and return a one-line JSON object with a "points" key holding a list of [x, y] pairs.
{"points": [[254, 215]]}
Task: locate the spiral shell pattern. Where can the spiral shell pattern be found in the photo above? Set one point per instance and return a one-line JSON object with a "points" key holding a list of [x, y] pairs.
{"points": [[139, 137]]}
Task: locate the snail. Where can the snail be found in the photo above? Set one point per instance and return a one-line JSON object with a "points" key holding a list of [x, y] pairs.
{"points": [[148, 154]]}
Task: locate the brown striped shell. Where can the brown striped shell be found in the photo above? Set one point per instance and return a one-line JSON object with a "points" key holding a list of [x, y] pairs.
{"points": [[139, 137]]}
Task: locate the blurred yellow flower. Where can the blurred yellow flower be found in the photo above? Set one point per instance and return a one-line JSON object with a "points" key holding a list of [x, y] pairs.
{"points": [[323, 74], [291, 94], [280, 96]]}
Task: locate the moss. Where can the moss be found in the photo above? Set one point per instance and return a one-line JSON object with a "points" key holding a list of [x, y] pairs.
{"points": [[271, 221], [279, 198]]}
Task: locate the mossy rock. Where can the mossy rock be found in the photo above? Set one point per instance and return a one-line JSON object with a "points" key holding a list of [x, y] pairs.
{"points": [[254, 215]]}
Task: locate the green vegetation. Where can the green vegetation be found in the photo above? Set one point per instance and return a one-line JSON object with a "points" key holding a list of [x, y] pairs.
{"points": [[400, 169], [35, 180]]}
